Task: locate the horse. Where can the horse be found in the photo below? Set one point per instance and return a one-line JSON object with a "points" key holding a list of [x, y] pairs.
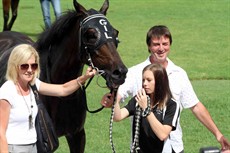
{"points": [[7, 4], [79, 37]]}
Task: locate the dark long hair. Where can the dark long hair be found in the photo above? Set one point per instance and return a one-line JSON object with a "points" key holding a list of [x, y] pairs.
{"points": [[162, 91]]}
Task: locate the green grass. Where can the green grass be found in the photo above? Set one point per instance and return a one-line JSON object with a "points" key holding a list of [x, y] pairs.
{"points": [[201, 45]]}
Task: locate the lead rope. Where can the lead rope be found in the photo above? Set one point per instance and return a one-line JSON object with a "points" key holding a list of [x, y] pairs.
{"points": [[111, 122], [135, 146]]}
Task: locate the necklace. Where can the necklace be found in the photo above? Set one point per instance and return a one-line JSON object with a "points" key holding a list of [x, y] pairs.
{"points": [[30, 118]]}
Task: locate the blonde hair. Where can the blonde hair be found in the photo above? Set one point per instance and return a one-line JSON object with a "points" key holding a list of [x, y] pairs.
{"points": [[20, 55]]}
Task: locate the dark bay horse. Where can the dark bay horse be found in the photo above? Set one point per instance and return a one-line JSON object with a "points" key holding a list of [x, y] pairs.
{"points": [[77, 38], [8, 5]]}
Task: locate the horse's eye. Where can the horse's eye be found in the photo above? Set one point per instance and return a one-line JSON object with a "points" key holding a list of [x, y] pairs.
{"points": [[115, 32], [91, 36], [117, 41]]}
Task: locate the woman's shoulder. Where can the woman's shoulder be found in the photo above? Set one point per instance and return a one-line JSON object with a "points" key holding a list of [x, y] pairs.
{"points": [[8, 91], [172, 102], [37, 83], [8, 84], [173, 105]]}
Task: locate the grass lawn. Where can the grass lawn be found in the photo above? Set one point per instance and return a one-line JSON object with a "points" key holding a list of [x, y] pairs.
{"points": [[201, 45]]}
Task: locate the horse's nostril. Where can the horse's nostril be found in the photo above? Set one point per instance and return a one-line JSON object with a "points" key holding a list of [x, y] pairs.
{"points": [[119, 76], [119, 73], [116, 73]]}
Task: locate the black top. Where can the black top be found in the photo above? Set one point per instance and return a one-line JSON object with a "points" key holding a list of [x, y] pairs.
{"points": [[148, 141]]}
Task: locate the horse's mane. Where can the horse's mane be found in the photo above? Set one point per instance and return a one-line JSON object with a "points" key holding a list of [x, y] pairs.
{"points": [[60, 28]]}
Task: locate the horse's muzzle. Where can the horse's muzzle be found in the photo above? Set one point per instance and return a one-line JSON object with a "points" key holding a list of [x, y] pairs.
{"points": [[116, 78]]}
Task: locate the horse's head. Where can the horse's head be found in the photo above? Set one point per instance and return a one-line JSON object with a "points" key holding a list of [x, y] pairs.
{"points": [[99, 42]]}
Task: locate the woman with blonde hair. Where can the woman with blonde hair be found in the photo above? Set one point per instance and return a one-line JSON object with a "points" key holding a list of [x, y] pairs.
{"points": [[18, 107]]}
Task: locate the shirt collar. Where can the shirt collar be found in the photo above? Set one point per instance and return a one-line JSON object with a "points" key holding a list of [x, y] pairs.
{"points": [[171, 67]]}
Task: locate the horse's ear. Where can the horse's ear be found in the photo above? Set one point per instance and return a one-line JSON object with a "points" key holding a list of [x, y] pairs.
{"points": [[78, 7], [104, 7]]}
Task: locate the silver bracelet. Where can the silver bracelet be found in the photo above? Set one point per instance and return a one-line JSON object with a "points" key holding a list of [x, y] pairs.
{"points": [[147, 110], [79, 83]]}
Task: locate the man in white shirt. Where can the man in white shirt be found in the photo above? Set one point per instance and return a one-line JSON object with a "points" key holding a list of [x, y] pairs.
{"points": [[159, 40]]}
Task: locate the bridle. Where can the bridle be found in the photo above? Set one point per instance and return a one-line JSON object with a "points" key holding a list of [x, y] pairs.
{"points": [[105, 34]]}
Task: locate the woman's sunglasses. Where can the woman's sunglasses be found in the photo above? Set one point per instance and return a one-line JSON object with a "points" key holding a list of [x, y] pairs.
{"points": [[33, 66]]}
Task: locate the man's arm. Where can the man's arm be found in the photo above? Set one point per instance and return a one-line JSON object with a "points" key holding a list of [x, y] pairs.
{"points": [[205, 118]]}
